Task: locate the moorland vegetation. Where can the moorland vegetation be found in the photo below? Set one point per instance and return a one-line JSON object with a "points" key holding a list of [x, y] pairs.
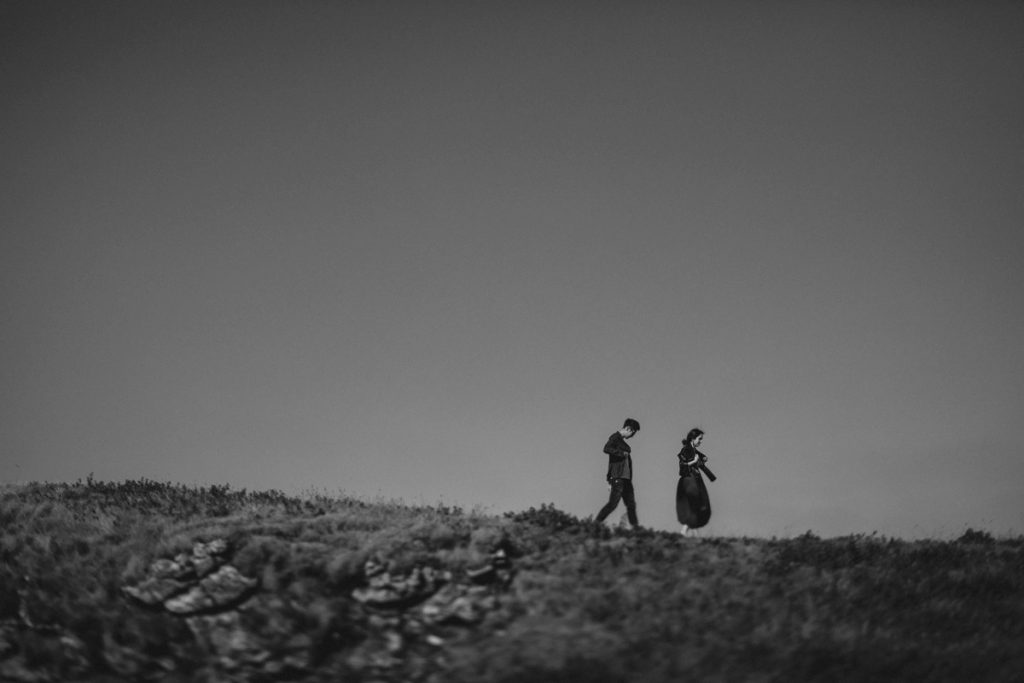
{"points": [[142, 580]]}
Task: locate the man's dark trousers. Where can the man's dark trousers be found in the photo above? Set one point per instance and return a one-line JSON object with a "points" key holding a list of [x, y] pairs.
{"points": [[622, 489]]}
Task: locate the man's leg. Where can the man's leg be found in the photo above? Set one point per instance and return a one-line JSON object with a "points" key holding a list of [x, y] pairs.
{"points": [[630, 500], [613, 499]]}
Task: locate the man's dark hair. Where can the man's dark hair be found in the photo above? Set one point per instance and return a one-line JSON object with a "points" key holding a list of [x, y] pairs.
{"points": [[632, 424], [694, 433]]}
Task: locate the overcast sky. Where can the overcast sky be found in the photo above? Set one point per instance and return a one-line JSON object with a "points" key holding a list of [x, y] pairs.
{"points": [[439, 251]]}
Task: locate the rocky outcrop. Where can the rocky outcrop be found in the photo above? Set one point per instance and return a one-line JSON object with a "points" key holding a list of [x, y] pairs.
{"points": [[413, 617], [214, 593], [385, 591], [384, 625], [197, 583], [390, 621]]}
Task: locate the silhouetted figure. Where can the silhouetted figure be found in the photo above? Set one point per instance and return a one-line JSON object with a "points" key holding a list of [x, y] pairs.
{"points": [[620, 472], [693, 507]]}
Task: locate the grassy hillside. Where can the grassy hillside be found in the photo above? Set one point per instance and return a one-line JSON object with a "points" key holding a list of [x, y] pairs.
{"points": [[141, 580]]}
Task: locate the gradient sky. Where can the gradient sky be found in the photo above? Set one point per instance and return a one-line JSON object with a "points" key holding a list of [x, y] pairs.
{"points": [[439, 251]]}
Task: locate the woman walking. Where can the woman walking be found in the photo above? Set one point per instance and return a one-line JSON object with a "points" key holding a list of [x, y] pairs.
{"points": [[693, 507]]}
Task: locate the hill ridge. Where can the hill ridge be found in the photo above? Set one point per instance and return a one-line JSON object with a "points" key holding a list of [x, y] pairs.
{"points": [[143, 580]]}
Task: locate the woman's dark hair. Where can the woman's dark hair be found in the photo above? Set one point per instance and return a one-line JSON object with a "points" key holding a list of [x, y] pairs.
{"points": [[693, 434], [632, 424]]}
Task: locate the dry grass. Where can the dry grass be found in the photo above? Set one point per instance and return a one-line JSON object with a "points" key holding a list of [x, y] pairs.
{"points": [[587, 603]]}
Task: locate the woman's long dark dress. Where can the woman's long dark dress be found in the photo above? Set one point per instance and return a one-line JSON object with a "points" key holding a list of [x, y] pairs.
{"points": [[693, 507]]}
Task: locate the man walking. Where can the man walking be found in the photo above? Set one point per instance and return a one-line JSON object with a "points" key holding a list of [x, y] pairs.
{"points": [[620, 472]]}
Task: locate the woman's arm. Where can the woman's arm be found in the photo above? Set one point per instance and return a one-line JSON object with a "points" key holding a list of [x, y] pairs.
{"points": [[689, 455]]}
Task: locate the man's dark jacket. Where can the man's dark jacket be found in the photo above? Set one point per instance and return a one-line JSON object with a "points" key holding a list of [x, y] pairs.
{"points": [[620, 462]]}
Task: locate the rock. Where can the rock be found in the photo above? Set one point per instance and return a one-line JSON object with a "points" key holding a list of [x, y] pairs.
{"points": [[464, 610], [170, 579], [75, 656], [497, 571], [373, 568], [204, 566], [482, 575], [154, 591], [217, 546], [459, 605], [393, 624], [208, 556], [223, 589], [390, 592], [170, 569]]}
